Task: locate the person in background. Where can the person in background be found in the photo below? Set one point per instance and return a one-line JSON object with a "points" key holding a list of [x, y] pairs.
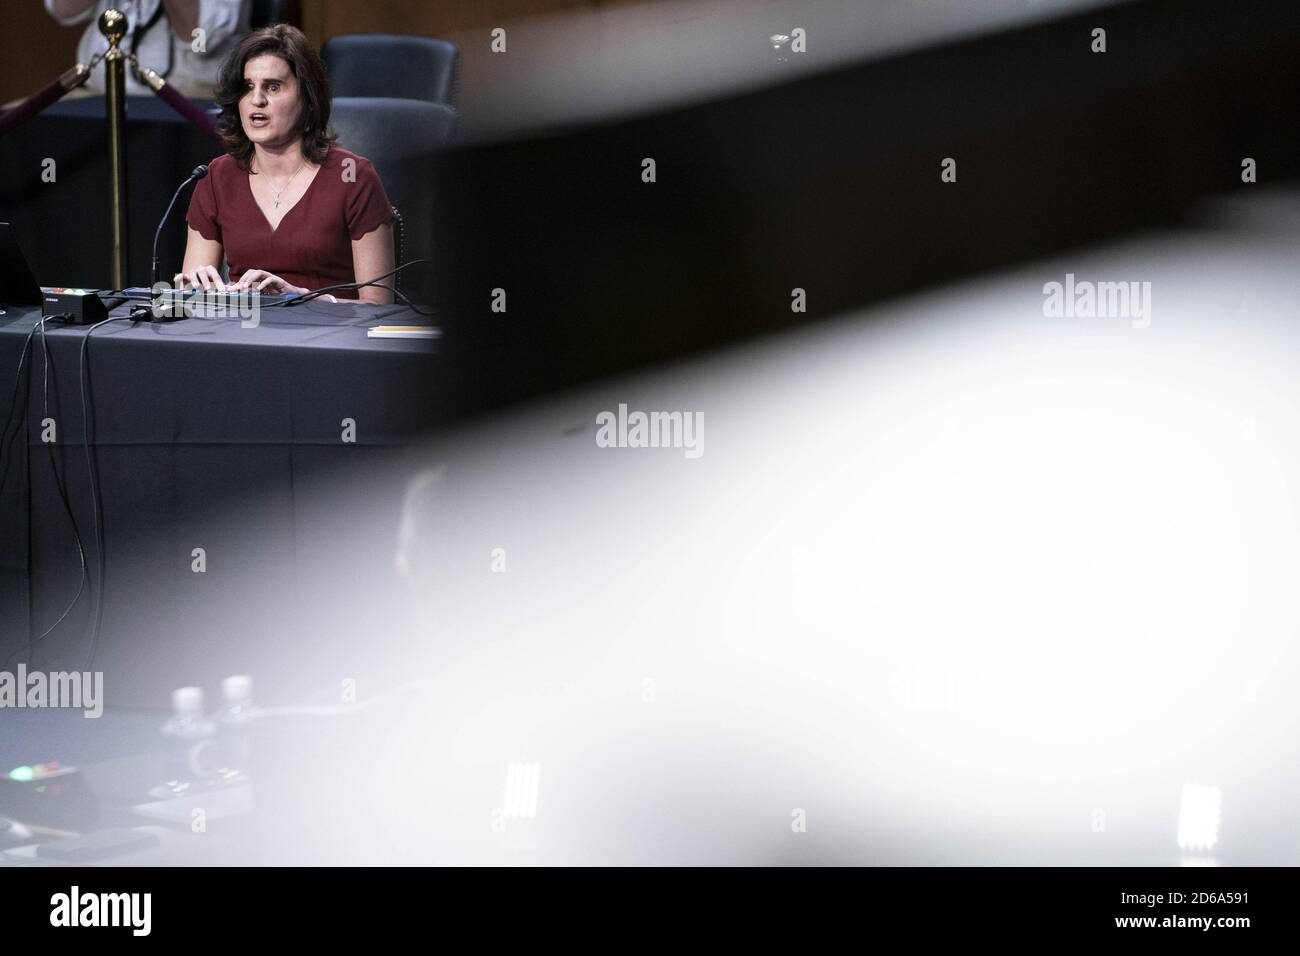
{"points": [[184, 41]]}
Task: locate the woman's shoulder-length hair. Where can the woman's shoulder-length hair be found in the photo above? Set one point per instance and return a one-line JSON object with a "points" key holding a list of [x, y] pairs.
{"points": [[291, 45]]}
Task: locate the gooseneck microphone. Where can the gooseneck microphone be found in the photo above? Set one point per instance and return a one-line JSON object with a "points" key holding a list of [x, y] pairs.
{"points": [[199, 172]]}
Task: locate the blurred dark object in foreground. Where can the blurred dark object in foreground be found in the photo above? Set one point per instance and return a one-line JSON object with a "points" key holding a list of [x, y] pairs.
{"points": [[832, 185]]}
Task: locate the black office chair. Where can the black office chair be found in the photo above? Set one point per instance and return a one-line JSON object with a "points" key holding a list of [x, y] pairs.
{"points": [[401, 137], [399, 250], [393, 66]]}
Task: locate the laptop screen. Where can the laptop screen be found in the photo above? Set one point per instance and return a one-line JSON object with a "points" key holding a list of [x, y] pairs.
{"points": [[17, 284]]}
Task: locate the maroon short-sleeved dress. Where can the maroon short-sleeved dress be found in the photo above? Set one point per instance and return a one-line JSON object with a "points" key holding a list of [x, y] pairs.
{"points": [[312, 246]]}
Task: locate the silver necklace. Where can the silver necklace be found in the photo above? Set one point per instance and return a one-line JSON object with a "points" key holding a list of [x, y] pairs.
{"points": [[286, 185]]}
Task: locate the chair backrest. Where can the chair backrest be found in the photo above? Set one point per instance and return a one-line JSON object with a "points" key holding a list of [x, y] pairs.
{"points": [[263, 13], [392, 65], [401, 138]]}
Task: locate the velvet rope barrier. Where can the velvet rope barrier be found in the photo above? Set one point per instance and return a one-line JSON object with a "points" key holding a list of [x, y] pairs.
{"points": [[69, 81], [176, 100]]}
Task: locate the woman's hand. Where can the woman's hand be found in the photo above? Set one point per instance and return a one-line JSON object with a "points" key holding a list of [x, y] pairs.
{"points": [[206, 278], [259, 280]]}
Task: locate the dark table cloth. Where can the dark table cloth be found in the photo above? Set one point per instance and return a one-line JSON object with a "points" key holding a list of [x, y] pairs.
{"points": [[202, 430]]}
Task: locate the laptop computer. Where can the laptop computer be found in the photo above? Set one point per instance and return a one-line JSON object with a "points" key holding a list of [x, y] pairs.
{"points": [[17, 284]]}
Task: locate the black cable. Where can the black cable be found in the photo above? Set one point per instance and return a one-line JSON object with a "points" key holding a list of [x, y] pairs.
{"points": [[412, 306], [59, 483], [379, 285], [63, 495], [399, 296], [97, 612], [13, 407], [393, 289], [306, 303], [308, 296], [7, 446], [376, 282]]}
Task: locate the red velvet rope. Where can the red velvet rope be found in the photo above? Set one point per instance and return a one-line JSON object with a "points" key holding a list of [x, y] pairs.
{"points": [[10, 119], [55, 91], [177, 101]]}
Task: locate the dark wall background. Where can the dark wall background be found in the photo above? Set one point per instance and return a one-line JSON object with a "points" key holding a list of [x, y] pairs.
{"points": [[37, 50]]}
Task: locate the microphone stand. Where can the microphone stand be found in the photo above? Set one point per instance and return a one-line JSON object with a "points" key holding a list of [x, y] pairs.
{"points": [[199, 172]]}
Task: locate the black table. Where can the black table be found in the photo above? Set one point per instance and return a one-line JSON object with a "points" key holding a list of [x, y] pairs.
{"points": [[189, 420]]}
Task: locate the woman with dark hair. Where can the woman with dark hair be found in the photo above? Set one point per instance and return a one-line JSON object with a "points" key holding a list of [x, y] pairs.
{"points": [[288, 209]]}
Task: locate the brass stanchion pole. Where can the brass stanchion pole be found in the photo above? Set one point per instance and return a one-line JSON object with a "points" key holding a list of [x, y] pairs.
{"points": [[113, 25]]}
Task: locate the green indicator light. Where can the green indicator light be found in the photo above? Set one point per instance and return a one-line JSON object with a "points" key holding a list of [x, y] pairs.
{"points": [[22, 774]]}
